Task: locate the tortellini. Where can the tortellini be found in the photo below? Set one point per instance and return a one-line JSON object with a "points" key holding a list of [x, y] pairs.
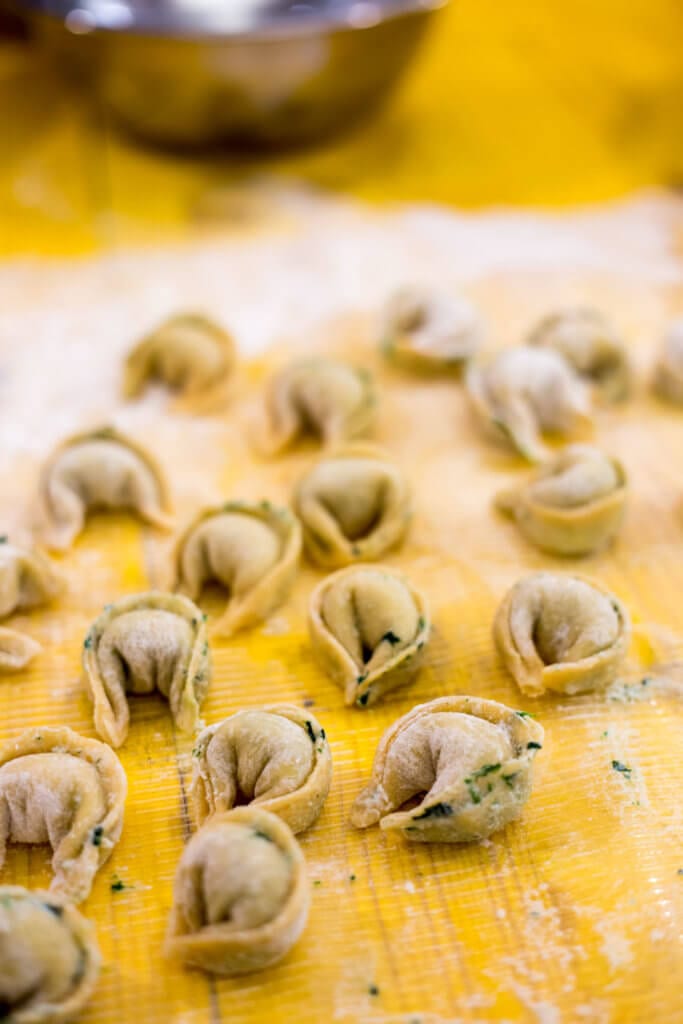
{"points": [[526, 391], [251, 549], [49, 958], [16, 649], [189, 353], [354, 505], [27, 579], [102, 469], [241, 894], [430, 332], [668, 381], [573, 505], [60, 788], [561, 633], [143, 643], [471, 757], [590, 343], [369, 628], [276, 757], [321, 397]]}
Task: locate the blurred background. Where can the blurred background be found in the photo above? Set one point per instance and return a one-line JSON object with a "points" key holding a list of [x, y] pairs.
{"points": [[538, 102]]}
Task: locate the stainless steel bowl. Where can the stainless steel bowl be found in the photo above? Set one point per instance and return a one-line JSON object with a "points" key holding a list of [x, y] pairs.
{"points": [[271, 72]]}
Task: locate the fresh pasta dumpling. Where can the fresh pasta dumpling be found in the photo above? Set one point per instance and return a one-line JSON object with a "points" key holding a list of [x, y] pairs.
{"points": [[468, 760], [27, 578], [322, 397], [369, 628], [668, 381], [275, 757], [572, 505], [354, 505], [561, 633], [101, 469], [430, 331], [252, 549], [142, 644], [16, 649], [189, 353], [241, 894], [526, 391], [60, 788], [49, 958], [591, 344]]}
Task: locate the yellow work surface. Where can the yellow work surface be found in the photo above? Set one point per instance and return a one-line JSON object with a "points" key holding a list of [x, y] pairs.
{"points": [[574, 913], [539, 101]]}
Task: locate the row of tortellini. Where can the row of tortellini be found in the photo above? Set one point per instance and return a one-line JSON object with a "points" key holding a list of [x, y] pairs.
{"points": [[241, 890]]}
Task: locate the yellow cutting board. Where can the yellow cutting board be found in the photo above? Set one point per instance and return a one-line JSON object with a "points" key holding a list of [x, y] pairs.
{"points": [[573, 914]]}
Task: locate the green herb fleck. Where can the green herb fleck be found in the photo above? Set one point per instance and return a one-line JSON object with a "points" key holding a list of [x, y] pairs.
{"points": [[509, 780], [363, 699], [96, 837], [475, 795], [352, 878], [440, 810], [205, 617], [622, 768], [604, 735], [3, 538], [486, 769], [322, 734], [361, 678], [524, 714], [645, 681], [259, 834], [54, 909], [117, 885], [373, 990], [421, 623], [532, 745], [316, 881], [194, 623], [87, 643], [391, 638], [309, 730]]}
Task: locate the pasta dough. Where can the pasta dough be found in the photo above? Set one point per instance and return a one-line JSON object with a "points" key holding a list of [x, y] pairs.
{"points": [[573, 505], [60, 788], [143, 643], [27, 579], [101, 469], [251, 549], [526, 391], [369, 629], [276, 757], [189, 353], [241, 894], [317, 396], [430, 332], [668, 381], [592, 346], [471, 757], [49, 958], [354, 505], [16, 649], [561, 633]]}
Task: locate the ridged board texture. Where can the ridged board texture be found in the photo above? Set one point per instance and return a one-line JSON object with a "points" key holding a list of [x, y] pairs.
{"points": [[573, 914]]}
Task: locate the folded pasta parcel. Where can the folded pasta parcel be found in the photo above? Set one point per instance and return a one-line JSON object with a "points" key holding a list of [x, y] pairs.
{"points": [[354, 505], [525, 392], [324, 398], [101, 469], [141, 644], [591, 344], [252, 549], [190, 354], [49, 958], [241, 894], [61, 788], [369, 630], [468, 760], [276, 757], [561, 633], [28, 579], [573, 505], [430, 331]]}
